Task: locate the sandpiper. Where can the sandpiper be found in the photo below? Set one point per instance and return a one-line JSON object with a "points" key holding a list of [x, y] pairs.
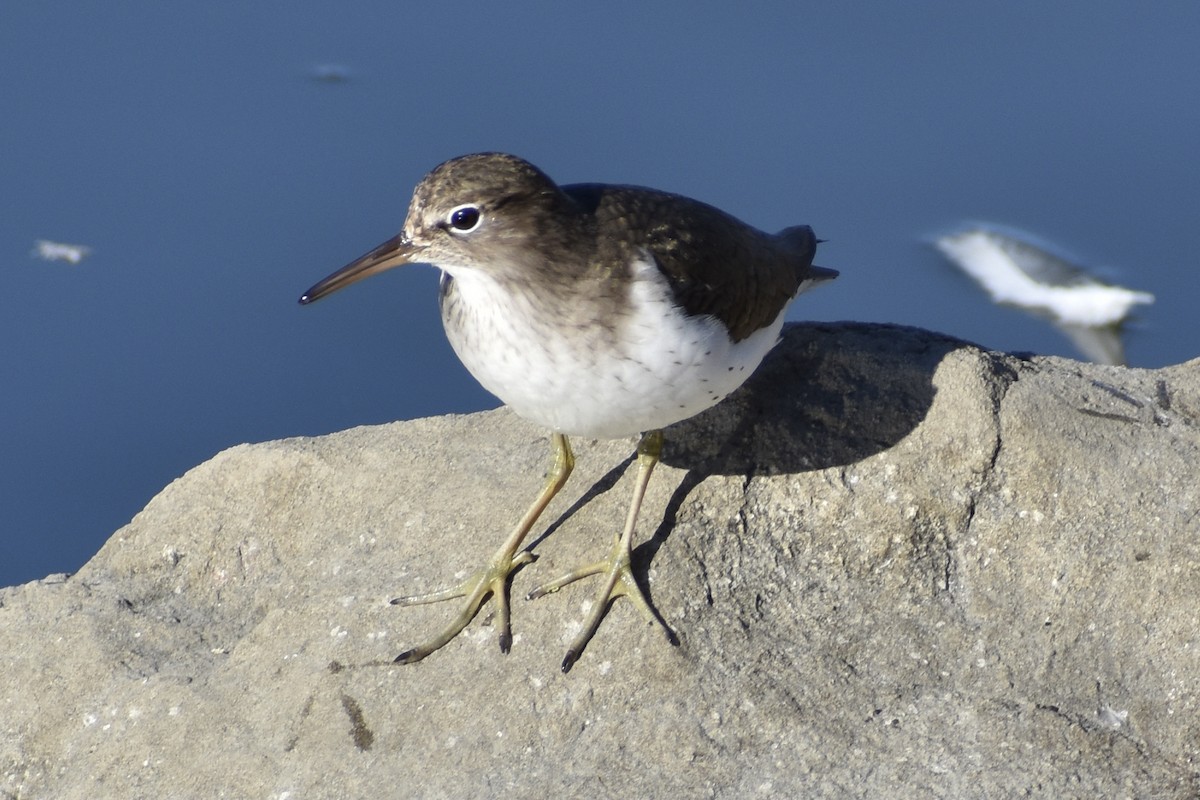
{"points": [[592, 310]]}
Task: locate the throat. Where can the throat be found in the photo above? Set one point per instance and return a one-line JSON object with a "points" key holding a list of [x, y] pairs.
{"points": [[511, 336]]}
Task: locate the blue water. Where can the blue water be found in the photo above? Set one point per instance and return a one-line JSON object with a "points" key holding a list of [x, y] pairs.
{"points": [[194, 148]]}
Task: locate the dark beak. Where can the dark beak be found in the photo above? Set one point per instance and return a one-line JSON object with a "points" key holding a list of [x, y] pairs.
{"points": [[392, 253]]}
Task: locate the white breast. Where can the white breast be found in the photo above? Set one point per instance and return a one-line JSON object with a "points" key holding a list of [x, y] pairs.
{"points": [[600, 375]]}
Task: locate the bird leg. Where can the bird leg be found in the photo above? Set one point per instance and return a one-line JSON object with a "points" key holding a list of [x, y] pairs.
{"points": [[492, 579], [618, 580]]}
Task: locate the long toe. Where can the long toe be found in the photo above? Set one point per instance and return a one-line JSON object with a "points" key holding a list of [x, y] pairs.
{"points": [[491, 581], [550, 587]]}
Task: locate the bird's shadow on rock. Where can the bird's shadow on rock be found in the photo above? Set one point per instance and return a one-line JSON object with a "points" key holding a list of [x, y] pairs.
{"points": [[827, 395]]}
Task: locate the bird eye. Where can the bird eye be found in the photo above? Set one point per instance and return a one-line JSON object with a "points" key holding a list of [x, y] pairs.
{"points": [[464, 218]]}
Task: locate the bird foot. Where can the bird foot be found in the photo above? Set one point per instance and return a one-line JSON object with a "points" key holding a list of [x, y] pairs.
{"points": [[619, 582], [491, 580]]}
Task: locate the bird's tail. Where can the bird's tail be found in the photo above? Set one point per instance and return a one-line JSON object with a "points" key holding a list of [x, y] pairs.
{"points": [[802, 239]]}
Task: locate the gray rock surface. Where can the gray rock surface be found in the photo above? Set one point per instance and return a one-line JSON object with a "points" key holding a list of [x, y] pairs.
{"points": [[899, 566]]}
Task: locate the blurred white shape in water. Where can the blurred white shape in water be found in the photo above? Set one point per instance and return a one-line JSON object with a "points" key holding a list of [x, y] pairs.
{"points": [[1016, 269], [58, 251]]}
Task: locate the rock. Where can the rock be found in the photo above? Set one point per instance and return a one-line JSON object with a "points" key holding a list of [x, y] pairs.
{"points": [[899, 565]]}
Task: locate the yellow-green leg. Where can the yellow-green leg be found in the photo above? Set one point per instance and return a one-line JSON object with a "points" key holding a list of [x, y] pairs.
{"points": [[618, 580], [493, 578]]}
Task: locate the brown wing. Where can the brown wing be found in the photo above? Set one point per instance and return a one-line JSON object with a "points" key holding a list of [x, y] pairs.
{"points": [[715, 264]]}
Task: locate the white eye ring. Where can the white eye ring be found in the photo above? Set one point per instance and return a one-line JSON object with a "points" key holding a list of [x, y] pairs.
{"points": [[464, 218]]}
